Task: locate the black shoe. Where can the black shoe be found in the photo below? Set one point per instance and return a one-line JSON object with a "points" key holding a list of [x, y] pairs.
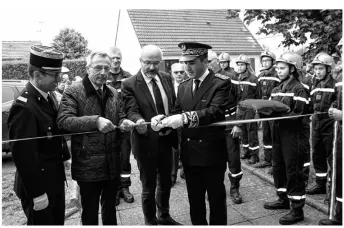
{"points": [[329, 222], [254, 159], [278, 204], [167, 220], [262, 164], [235, 195], [117, 197], [127, 196], [316, 189], [292, 217], [152, 222]]}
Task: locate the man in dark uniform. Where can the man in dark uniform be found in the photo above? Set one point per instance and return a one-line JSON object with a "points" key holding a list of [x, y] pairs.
{"points": [[225, 60], [40, 175], [201, 100], [267, 80], [116, 76]]}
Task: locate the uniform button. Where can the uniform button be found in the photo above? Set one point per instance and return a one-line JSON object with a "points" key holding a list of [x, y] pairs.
{"points": [[188, 139], [200, 141], [42, 169], [49, 128]]}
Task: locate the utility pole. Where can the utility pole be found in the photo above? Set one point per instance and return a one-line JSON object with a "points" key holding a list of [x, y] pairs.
{"points": [[119, 14]]}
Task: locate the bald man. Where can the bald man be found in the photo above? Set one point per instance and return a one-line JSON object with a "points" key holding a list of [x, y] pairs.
{"points": [[145, 95]]}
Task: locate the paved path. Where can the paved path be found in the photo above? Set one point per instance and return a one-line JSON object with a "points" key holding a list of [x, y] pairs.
{"points": [[255, 192]]}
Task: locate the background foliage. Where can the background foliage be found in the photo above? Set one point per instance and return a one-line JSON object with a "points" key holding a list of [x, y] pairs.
{"points": [[323, 26]]}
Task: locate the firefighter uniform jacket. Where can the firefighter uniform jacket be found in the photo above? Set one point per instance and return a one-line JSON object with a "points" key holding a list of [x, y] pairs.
{"points": [[267, 80]]}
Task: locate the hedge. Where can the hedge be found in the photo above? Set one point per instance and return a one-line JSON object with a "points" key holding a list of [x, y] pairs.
{"points": [[18, 69]]}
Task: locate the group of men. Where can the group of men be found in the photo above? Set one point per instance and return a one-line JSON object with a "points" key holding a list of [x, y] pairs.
{"points": [[161, 119]]}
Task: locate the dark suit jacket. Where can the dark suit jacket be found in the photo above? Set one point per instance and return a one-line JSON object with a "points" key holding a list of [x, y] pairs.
{"points": [[204, 146], [139, 104], [39, 162]]}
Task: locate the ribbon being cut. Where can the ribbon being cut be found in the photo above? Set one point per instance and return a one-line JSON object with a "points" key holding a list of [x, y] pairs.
{"points": [[248, 111]]}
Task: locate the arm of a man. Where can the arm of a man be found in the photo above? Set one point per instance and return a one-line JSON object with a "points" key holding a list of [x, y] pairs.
{"points": [[130, 105], [68, 118], [22, 124]]}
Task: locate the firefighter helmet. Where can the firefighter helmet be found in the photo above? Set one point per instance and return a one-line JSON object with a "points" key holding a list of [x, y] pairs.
{"points": [[291, 58], [268, 54], [323, 58], [211, 55], [243, 59], [224, 57]]}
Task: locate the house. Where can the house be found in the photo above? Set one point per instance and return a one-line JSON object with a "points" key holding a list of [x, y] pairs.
{"points": [[167, 28], [16, 50]]}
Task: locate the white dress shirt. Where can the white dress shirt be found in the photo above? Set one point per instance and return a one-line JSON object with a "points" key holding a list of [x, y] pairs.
{"points": [[201, 79], [161, 88]]}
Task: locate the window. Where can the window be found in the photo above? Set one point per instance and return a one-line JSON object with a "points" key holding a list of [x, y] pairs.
{"points": [[7, 94]]}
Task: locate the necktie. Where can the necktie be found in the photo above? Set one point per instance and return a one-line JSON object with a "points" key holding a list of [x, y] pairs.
{"points": [[158, 98], [196, 81], [100, 93], [51, 102]]}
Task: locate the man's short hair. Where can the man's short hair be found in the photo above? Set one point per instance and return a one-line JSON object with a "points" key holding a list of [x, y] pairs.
{"points": [[94, 53], [32, 69]]}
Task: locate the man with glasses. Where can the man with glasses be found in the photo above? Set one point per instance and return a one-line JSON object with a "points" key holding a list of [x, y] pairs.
{"points": [[93, 107], [116, 76], [40, 175], [147, 94]]}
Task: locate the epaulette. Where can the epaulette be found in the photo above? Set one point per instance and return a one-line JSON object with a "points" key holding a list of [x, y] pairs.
{"points": [[223, 77], [185, 80], [22, 99]]}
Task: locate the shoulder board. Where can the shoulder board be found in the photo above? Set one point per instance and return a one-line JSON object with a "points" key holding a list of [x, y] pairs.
{"points": [[185, 80], [22, 99], [223, 77]]}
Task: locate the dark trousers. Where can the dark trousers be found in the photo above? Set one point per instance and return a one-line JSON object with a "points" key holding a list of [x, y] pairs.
{"points": [[54, 214], [287, 162], [322, 142], [267, 140], [305, 135], [234, 163], [175, 163], [155, 176], [202, 179], [125, 180], [249, 138], [90, 193], [339, 164]]}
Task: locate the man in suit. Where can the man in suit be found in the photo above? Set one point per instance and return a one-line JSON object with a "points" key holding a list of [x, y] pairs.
{"points": [[201, 101], [145, 95], [40, 175]]}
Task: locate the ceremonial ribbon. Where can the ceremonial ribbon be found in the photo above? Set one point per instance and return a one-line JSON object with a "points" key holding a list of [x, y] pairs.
{"points": [[220, 123]]}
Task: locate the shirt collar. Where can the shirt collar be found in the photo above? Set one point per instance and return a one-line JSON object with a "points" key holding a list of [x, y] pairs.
{"points": [[96, 87], [148, 79], [203, 76], [44, 94]]}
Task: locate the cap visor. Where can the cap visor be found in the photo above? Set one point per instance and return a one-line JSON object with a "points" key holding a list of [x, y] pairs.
{"points": [[187, 58]]}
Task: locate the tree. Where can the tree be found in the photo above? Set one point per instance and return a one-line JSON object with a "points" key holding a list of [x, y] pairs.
{"points": [[71, 43], [323, 26]]}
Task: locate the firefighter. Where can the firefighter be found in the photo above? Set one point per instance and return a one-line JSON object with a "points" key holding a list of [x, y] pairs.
{"points": [[245, 83], [225, 60], [322, 95], [267, 80], [287, 158], [336, 113]]}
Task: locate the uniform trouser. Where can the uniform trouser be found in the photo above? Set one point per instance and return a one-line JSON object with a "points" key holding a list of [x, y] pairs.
{"points": [[234, 163], [155, 176], [249, 139], [267, 140], [322, 142], [125, 180], [306, 147], [175, 163], [339, 175], [202, 179], [54, 214], [287, 162], [90, 193]]}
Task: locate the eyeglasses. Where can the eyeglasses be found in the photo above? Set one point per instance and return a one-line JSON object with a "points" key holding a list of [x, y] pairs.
{"points": [[100, 68], [146, 62], [180, 72]]}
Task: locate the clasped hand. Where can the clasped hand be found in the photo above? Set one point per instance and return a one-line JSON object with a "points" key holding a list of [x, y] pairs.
{"points": [[160, 121]]}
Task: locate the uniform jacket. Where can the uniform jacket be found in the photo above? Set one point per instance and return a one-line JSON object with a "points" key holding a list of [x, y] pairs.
{"points": [[267, 80], [139, 104], [338, 103], [204, 146], [246, 86], [229, 71], [39, 162], [292, 93], [95, 156]]}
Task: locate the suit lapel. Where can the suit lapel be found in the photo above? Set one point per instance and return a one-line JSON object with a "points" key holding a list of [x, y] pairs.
{"points": [[168, 91], [206, 84], [43, 103], [144, 88], [188, 95]]}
